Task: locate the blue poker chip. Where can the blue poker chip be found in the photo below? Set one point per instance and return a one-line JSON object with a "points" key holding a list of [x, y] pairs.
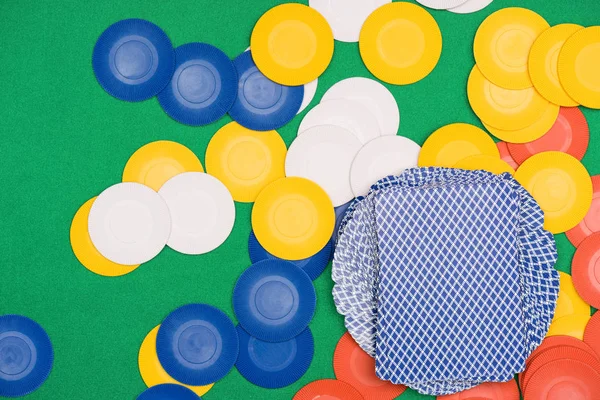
{"points": [[168, 391], [340, 211], [133, 60], [262, 104], [197, 344], [313, 266], [274, 300], [26, 355], [274, 365], [203, 87]]}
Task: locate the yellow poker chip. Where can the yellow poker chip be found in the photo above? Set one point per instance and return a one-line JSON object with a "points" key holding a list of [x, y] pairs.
{"points": [[569, 302], [400, 43], [292, 44], [530, 133], [155, 163], [504, 109], [561, 185], [578, 64], [569, 325], [451, 143], [543, 63], [152, 371], [293, 218], [502, 45], [245, 160], [84, 249], [486, 163]]}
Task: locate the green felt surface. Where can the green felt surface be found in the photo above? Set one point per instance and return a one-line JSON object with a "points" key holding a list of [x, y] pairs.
{"points": [[63, 140]]}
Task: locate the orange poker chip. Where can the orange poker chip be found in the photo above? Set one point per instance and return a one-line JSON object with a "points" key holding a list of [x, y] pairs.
{"points": [[505, 155], [489, 391], [570, 134], [585, 270], [354, 366], [563, 379], [558, 353], [328, 389], [591, 222], [591, 336]]}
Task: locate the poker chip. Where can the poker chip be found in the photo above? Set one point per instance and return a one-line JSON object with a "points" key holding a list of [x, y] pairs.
{"points": [[348, 114], [569, 134], [313, 266], [441, 4], [532, 132], [274, 365], [274, 300], [152, 371], [245, 161], [505, 155], [569, 302], [262, 104], [487, 391], [502, 44], [310, 89], [451, 143], [133, 60], [197, 344], [585, 270], [561, 185], [328, 389], [84, 249], [374, 96], [155, 163], [292, 26], [324, 154], [543, 63], [202, 212], [26, 355], [591, 222], [400, 43], [293, 218], [577, 67], [129, 223], [168, 391], [346, 18], [504, 109], [381, 157], [591, 335], [563, 379], [486, 163], [340, 211], [352, 365], [470, 6], [203, 87], [570, 325]]}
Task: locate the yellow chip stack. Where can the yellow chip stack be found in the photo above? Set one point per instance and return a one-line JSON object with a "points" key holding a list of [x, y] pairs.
{"points": [[572, 313]]}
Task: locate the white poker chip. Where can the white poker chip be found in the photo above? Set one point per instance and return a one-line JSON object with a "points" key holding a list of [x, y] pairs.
{"points": [[348, 114], [471, 6], [441, 4], [310, 89], [371, 94], [324, 155], [129, 223], [202, 212], [347, 17], [386, 155]]}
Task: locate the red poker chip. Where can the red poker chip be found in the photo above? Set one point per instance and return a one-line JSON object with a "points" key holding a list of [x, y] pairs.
{"points": [[505, 155], [354, 366], [591, 336], [558, 353], [489, 391], [585, 270], [328, 389], [562, 380], [569, 134], [591, 222]]}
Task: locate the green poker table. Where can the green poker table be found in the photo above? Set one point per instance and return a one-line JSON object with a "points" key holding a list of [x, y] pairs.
{"points": [[64, 140]]}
